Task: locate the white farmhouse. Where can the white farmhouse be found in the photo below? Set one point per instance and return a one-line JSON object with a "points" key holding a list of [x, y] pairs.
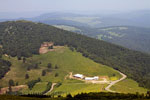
{"points": [[78, 76]]}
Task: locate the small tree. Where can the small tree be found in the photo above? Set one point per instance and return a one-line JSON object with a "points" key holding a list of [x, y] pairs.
{"points": [[26, 76], [43, 72], [17, 83], [19, 58], [0, 88], [11, 82], [148, 94], [28, 68], [39, 79], [24, 60], [49, 65], [10, 89], [69, 96], [36, 66], [114, 74], [56, 74], [56, 67]]}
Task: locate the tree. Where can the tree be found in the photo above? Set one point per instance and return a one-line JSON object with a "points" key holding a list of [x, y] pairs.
{"points": [[29, 68], [10, 89], [0, 88], [114, 74], [148, 94], [56, 74], [36, 66], [39, 79], [56, 67], [17, 83], [19, 56], [43, 72], [24, 59], [11, 82], [49, 65], [69, 96], [26, 76]]}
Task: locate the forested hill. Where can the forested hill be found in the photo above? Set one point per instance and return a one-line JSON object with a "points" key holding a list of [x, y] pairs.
{"points": [[4, 65], [23, 38]]}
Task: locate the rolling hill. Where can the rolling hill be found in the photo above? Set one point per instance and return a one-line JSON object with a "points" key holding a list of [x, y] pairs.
{"points": [[67, 61], [135, 38]]}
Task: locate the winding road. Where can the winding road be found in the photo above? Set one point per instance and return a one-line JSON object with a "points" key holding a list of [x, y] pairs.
{"points": [[107, 88], [114, 82], [52, 87]]}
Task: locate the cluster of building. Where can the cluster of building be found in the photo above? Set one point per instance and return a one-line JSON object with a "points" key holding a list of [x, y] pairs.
{"points": [[85, 78]]}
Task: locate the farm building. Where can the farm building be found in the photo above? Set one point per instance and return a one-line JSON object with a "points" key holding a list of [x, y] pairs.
{"points": [[91, 78], [78, 76]]}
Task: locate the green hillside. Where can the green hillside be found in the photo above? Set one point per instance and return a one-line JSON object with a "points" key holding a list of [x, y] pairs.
{"points": [[128, 85], [22, 39], [66, 60]]}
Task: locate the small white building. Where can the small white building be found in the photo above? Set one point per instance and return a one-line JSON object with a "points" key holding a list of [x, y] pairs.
{"points": [[78, 76], [91, 78]]}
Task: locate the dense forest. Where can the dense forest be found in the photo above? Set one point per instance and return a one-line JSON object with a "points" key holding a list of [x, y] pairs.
{"points": [[4, 65], [24, 38]]}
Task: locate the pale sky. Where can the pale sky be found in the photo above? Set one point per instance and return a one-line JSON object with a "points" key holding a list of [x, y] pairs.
{"points": [[72, 5]]}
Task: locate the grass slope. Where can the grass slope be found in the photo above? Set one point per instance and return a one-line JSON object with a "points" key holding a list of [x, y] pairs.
{"points": [[75, 88], [67, 61], [127, 86]]}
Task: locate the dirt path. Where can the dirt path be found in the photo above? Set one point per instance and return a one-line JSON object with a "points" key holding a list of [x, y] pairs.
{"points": [[51, 89], [111, 83], [114, 82]]}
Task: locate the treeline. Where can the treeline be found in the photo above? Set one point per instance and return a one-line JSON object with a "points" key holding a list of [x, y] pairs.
{"points": [[23, 38], [82, 96], [4, 65]]}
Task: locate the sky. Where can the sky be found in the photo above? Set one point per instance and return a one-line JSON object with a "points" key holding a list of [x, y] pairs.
{"points": [[15, 6], [78, 5]]}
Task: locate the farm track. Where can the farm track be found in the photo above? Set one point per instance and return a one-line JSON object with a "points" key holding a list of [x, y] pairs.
{"points": [[51, 89], [114, 82], [111, 83]]}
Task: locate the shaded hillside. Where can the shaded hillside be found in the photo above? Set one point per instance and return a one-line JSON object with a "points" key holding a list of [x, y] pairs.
{"points": [[28, 37], [136, 38], [4, 66]]}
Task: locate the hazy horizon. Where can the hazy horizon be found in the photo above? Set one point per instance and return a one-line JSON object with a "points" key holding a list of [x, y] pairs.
{"points": [[31, 8]]}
